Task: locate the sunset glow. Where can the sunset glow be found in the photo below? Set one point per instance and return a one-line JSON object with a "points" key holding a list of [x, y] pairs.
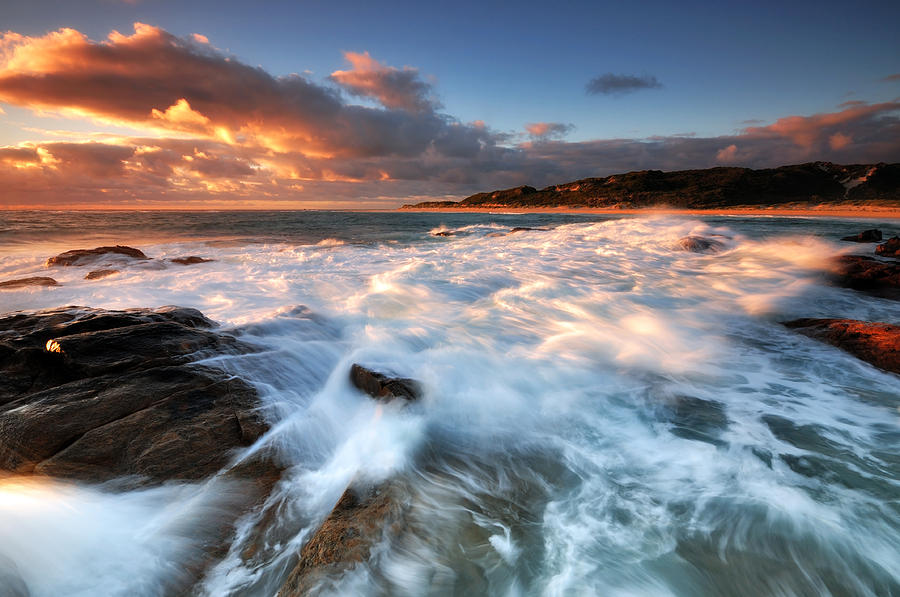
{"points": [[141, 103]]}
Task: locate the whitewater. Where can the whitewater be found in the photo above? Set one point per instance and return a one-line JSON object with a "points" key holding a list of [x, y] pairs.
{"points": [[603, 413]]}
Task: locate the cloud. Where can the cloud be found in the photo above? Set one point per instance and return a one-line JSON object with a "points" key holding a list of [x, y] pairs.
{"points": [[392, 87], [154, 80], [613, 84], [213, 131], [542, 131], [811, 132], [892, 78], [728, 154]]}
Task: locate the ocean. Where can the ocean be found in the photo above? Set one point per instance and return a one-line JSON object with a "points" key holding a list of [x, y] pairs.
{"points": [[603, 413]]}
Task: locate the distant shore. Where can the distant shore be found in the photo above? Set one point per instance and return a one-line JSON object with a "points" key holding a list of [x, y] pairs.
{"points": [[837, 211]]}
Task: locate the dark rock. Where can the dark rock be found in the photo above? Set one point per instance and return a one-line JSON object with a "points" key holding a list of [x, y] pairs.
{"points": [[445, 233], [82, 256], [526, 229], [191, 260], [875, 343], [100, 273], [698, 244], [23, 282], [889, 249], [866, 236], [360, 519], [867, 274], [94, 395], [383, 388]]}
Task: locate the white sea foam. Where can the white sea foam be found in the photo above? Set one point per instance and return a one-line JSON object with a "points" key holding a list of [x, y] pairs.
{"points": [[603, 413]]}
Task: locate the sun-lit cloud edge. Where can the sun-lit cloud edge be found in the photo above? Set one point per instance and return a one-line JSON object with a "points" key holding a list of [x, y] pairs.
{"points": [[211, 132]]}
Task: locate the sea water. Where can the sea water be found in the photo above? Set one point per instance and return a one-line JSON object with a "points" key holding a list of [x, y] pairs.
{"points": [[603, 413]]}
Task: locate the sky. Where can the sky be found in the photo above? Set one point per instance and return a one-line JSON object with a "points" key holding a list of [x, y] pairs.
{"points": [[170, 104]]}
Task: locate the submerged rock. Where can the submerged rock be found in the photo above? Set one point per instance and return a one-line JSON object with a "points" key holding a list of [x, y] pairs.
{"points": [[360, 519], [867, 274], [382, 387], [444, 233], [190, 260], [889, 249], [23, 282], [699, 244], [100, 273], [94, 395], [82, 256], [866, 236], [875, 343], [526, 229], [365, 514]]}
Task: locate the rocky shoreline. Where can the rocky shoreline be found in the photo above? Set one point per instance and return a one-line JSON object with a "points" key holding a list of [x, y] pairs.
{"points": [[816, 183]]}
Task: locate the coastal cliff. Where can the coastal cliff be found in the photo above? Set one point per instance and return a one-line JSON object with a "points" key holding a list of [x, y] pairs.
{"points": [[813, 183]]}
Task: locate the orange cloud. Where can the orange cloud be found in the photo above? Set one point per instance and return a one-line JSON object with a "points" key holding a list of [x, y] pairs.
{"points": [[543, 131], [809, 131], [152, 79], [727, 155], [218, 127], [392, 87], [839, 141]]}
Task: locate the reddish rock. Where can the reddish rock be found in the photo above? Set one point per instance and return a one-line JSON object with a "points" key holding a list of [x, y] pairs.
{"points": [[867, 274], [100, 273], [383, 388], [191, 260], [82, 256], [364, 515], [866, 236], [875, 343], [360, 519], [23, 282], [889, 249]]}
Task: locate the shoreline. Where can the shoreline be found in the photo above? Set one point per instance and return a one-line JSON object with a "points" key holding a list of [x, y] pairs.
{"points": [[861, 212]]}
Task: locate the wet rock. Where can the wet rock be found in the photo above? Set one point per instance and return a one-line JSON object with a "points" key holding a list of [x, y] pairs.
{"points": [[526, 229], [382, 387], [24, 282], [365, 514], [699, 244], [100, 273], [360, 519], [190, 260], [866, 236], [867, 274], [83, 256], [95, 395], [444, 233], [875, 343], [889, 249]]}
